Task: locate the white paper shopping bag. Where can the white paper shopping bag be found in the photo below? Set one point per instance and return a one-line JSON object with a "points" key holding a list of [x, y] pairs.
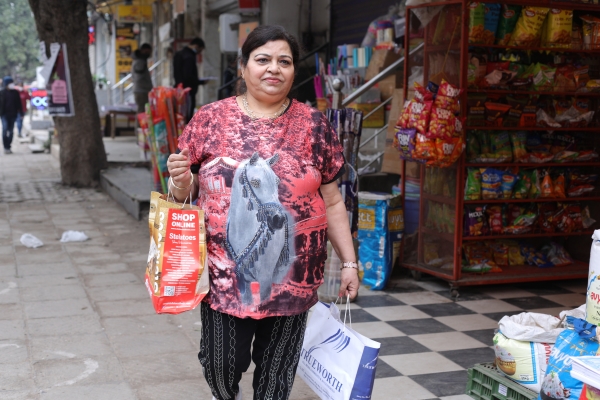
{"points": [[337, 362]]}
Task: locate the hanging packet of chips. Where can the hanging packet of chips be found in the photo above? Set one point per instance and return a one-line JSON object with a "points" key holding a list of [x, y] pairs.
{"points": [[528, 30]]}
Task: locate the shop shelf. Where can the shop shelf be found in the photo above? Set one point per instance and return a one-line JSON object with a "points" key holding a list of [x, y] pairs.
{"points": [[528, 235], [443, 235], [540, 49], [526, 273], [535, 128], [486, 383], [535, 165], [440, 199], [436, 3], [533, 92], [538, 200]]}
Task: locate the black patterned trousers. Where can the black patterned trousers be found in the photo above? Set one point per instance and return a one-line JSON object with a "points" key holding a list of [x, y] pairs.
{"points": [[229, 343]]}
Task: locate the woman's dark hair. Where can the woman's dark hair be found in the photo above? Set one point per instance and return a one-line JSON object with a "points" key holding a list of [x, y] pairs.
{"points": [[259, 37]]}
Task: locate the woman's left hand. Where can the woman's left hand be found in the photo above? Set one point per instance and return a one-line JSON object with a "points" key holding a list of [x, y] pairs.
{"points": [[349, 284]]}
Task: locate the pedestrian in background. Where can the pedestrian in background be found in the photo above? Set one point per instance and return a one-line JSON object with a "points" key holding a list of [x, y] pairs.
{"points": [[142, 81], [185, 71], [10, 109], [24, 94]]}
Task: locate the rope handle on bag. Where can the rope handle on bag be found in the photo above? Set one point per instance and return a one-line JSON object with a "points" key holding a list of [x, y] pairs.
{"points": [[346, 310]]}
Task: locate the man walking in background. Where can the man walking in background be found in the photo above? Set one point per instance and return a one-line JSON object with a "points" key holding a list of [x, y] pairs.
{"points": [[142, 82], [24, 94], [10, 109], [185, 70]]}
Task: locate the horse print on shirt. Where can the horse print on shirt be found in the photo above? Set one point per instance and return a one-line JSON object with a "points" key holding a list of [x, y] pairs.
{"points": [[259, 230]]}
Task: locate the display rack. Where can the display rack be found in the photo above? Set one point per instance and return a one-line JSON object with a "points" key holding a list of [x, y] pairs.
{"points": [[448, 188]]}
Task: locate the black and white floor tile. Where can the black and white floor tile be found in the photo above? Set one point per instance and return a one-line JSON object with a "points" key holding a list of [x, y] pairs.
{"points": [[429, 340]]}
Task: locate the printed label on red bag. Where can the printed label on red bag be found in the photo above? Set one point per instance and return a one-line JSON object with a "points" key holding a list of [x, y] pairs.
{"points": [[181, 254]]}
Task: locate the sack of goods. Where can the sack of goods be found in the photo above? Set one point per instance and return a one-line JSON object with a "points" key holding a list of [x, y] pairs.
{"points": [[580, 341], [523, 345], [176, 272], [337, 362], [380, 228], [592, 300]]}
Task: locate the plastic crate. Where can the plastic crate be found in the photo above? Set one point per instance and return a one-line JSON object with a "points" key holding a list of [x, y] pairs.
{"points": [[485, 383]]}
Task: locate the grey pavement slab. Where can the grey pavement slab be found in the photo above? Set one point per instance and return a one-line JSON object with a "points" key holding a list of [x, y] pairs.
{"points": [[141, 371], [102, 268], [120, 292], [51, 373], [123, 308], [71, 325], [44, 293], [152, 343], [13, 351], [16, 376], [109, 391], [80, 346], [12, 329], [103, 280], [58, 308], [11, 311], [43, 268], [137, 325]]}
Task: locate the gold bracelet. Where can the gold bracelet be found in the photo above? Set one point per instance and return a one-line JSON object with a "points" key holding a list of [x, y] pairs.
{"points": [[177, 187]]}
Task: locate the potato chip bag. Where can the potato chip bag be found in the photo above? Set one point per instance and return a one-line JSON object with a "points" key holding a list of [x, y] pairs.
{"points": [[500, 253], [475, 221], [528, 30], [406, 139], [420, 114], [442, 125], [547, 187], [518, 140], [547, 212], [558, 28], [476, 22], [473, 184], [535, 190], [559, 187], [490, 24], [495, 113], [509, 15], [448, 151], [473, 148], [514, 253], [500, 150], [508, 183], [591, 32], [425, 148], [491, 183], [494, 214]]}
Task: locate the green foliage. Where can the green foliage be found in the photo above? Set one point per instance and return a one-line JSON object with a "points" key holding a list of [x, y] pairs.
{"points": [[18, 40]]}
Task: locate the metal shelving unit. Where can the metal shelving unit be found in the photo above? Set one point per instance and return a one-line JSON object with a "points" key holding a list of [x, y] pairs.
{"points": [[453, 48]]}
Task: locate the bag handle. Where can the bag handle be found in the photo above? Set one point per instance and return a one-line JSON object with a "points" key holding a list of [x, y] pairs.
{"points": [[346, 310], [170, 195]]}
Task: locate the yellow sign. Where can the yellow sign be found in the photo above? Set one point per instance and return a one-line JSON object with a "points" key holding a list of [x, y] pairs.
{"points": [[134, 13], [123, 54]]}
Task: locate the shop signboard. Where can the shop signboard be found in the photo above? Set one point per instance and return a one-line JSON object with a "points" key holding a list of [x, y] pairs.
{"points": [[134, 13], [249, 6], [39, 99]]}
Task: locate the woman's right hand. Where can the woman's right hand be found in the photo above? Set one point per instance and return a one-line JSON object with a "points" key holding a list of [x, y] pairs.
{"points": [[178, 166]]}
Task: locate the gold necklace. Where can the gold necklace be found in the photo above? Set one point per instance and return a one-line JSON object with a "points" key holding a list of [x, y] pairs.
{"points": [[254, 117]]}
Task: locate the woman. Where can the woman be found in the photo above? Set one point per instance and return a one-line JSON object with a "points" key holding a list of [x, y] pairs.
{"points": [[264, 168]]}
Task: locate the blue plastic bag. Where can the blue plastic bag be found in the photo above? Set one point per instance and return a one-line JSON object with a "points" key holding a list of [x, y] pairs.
{"points": [[558, 383]]}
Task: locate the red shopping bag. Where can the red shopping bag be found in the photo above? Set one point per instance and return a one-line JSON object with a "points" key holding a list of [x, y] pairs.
{"points": [[176, 272]]}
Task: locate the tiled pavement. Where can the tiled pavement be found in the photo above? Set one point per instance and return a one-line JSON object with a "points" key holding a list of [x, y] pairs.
{"points": [[428, 340]]}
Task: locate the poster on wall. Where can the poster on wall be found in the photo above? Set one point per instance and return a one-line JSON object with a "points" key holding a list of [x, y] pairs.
{"points": [[123, 56], [58, 86]]}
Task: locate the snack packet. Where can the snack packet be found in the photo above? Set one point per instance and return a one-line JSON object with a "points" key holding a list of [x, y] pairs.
{"points": [[523, 185], [473, 148], [586, 218], [509, 15], [508, 183], [491, 183], [559, 187], [406, 143], [476, 22], [494, 214], [424, 148], [500, 147], [442, 124], [547, 187], [447, 97], [473, 184], [491, 19], [518, 140], [558, 28], [500, 253], [535, 191], [494, 114], [547, 213], [475, 221], [528, 29], [514, 253]]}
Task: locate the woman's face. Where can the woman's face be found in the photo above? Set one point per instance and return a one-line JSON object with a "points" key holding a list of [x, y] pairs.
{"points": [[270, 71]]}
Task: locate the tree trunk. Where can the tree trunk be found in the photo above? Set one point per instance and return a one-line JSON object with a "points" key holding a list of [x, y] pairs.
{"points": [[82, 154]]}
